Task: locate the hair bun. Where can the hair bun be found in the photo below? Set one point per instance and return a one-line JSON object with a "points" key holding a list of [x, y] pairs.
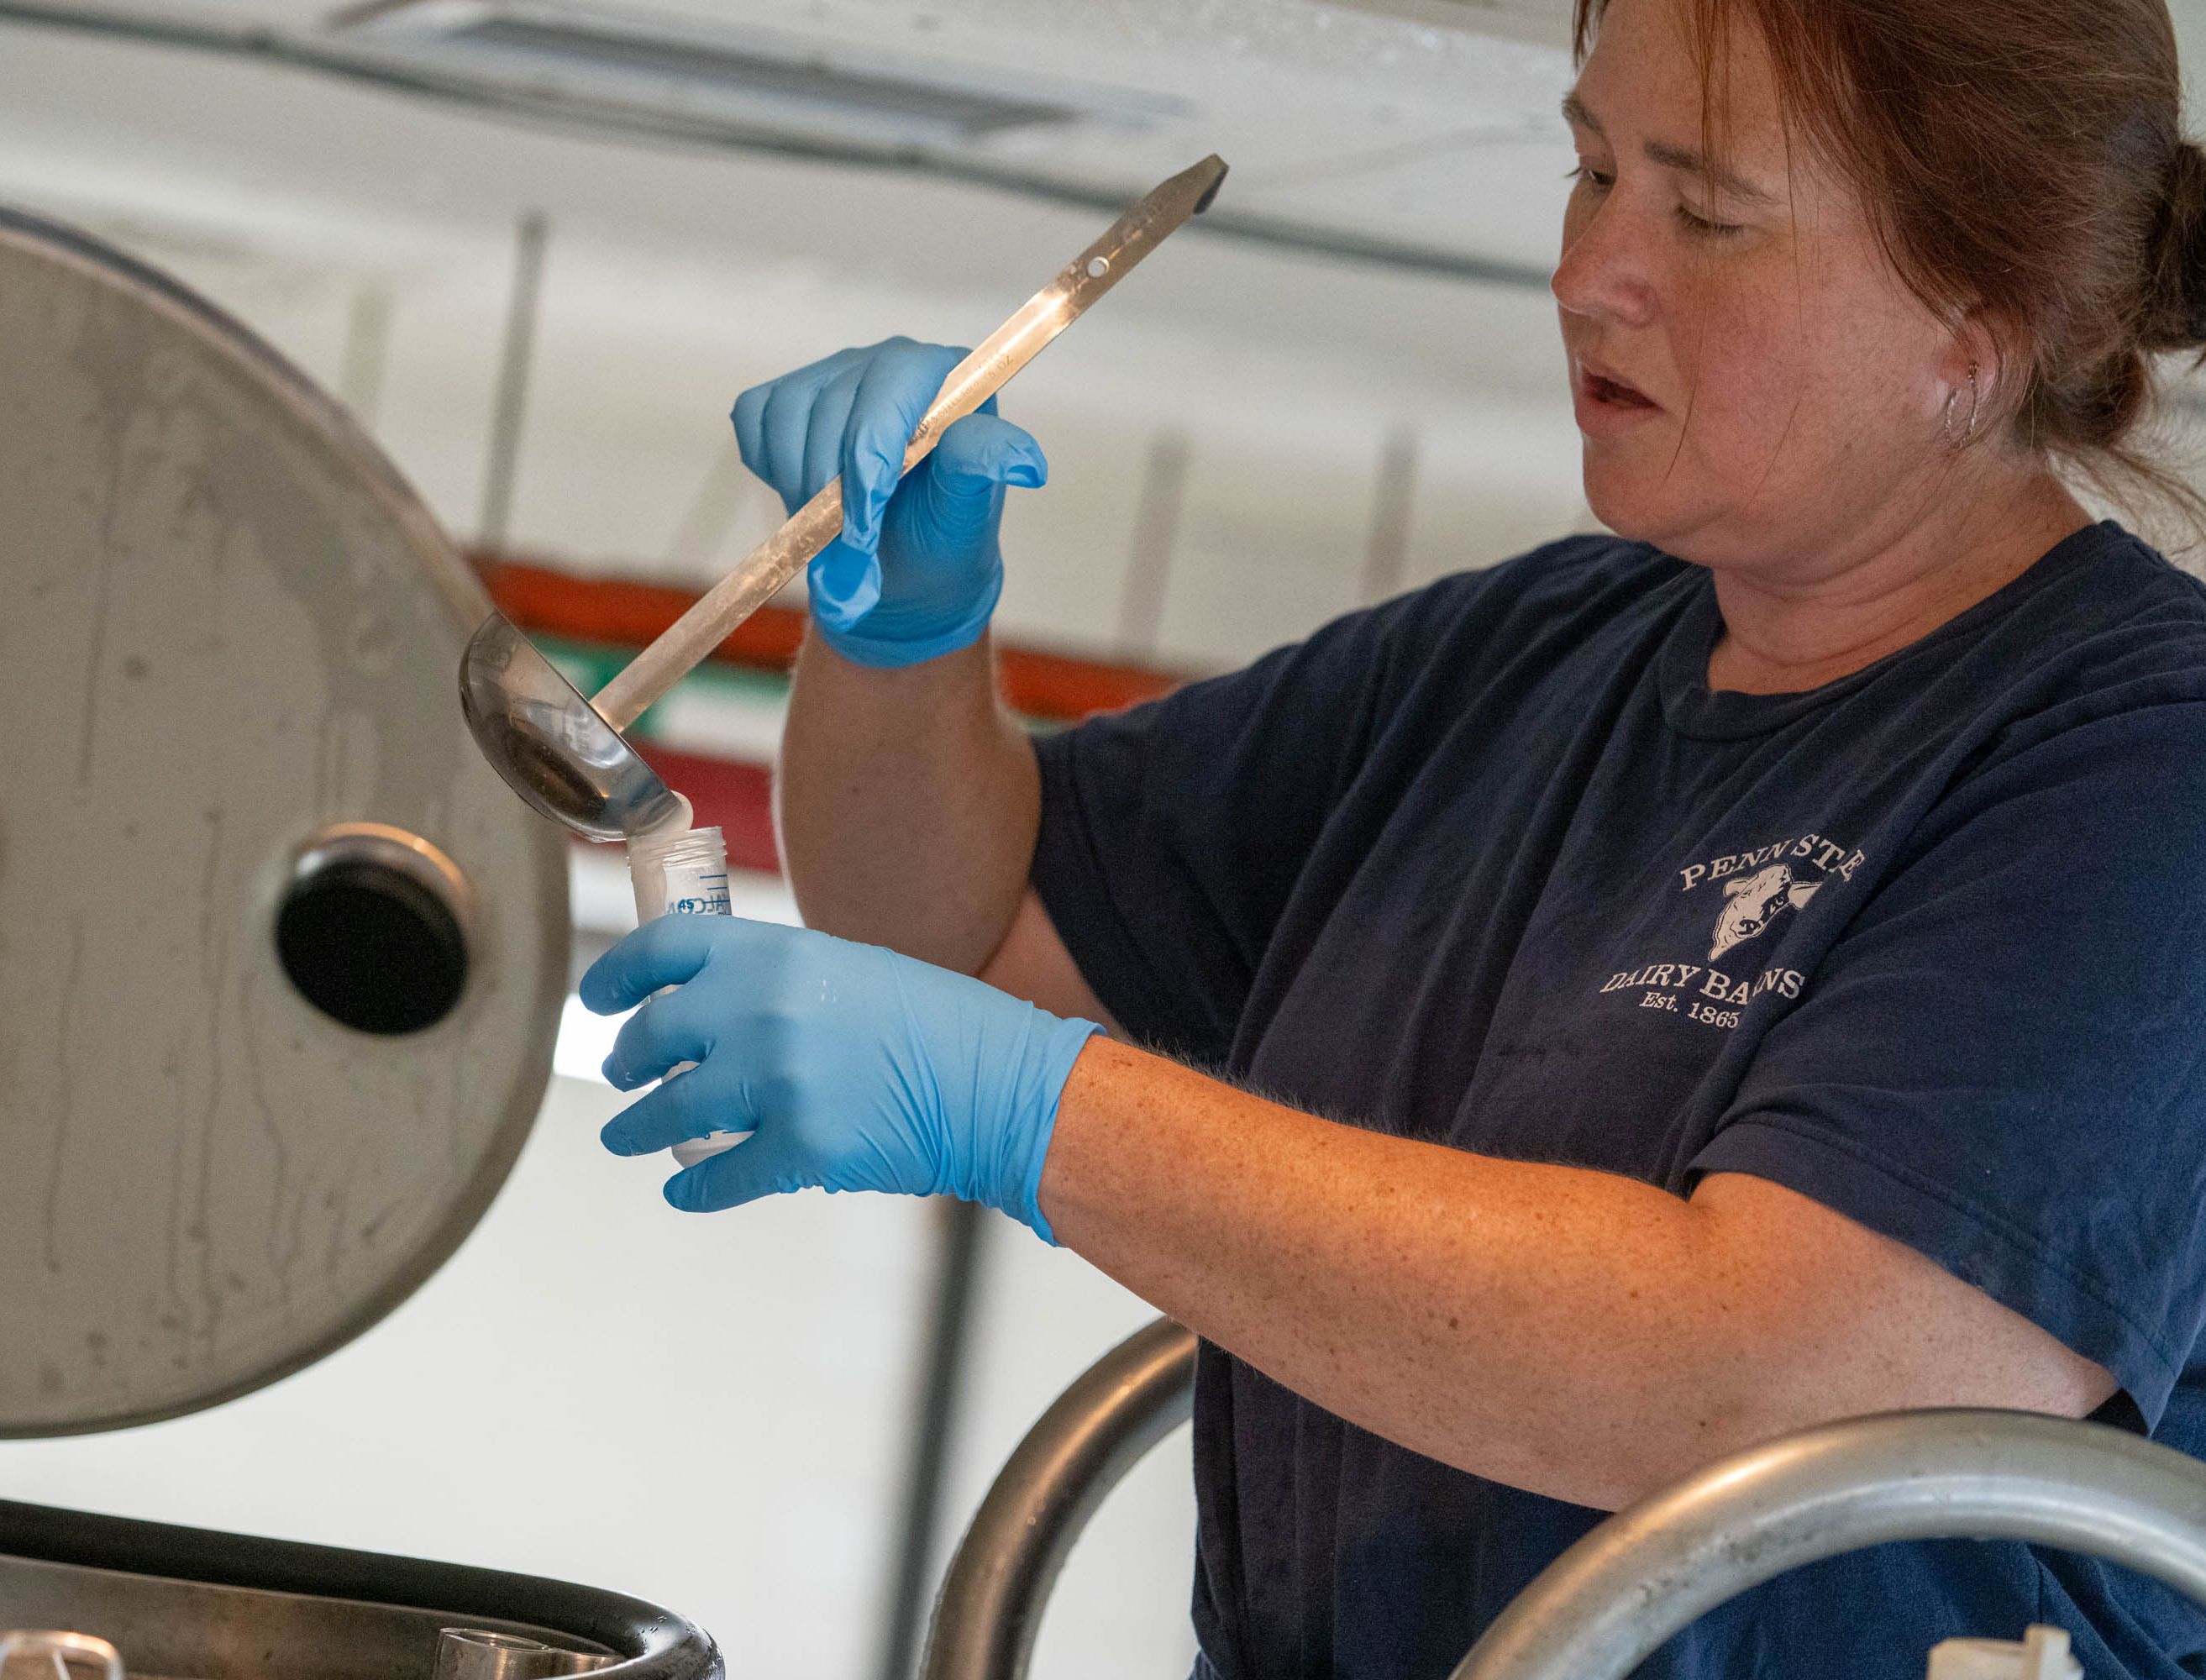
{"points": [[2175, 294]]}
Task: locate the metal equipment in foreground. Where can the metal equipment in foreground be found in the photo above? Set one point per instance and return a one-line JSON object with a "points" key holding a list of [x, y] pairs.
{"points": [[564, 754], [1610, 1600], [187, 1601], [1644, 1573], [479, 1653], [301, 958], [998, 1582]]}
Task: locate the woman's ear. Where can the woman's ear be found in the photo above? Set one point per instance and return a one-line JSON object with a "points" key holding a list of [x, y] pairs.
{"points": [[1980, 364]]}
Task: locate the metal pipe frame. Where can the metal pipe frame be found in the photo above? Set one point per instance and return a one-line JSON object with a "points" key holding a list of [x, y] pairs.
{"points": [[1609, 1601], [993, 1597], [1615, 1597]]}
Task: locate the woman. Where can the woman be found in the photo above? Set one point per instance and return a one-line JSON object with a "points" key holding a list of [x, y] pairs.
{"points": [[1752, 969]]}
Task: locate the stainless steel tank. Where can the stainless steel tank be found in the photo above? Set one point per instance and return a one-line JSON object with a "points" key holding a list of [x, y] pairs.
{"points": [[281, 959]]}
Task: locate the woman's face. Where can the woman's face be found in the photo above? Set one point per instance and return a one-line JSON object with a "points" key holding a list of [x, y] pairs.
{"points": [[1756, 386]]}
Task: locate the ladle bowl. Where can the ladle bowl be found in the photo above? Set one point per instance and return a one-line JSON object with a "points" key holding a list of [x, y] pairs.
{"points": [[552, 746]]}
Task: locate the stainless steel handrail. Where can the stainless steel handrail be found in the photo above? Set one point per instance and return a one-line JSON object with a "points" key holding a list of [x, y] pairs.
{"points": [[991, 1599], [1611, 1599], [1616, 1595]]}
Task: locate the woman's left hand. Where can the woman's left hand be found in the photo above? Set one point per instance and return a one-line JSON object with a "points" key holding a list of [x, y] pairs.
{"points": [[855, 1069]]}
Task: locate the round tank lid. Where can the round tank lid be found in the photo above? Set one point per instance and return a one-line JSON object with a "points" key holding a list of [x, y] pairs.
{"points": [[283, 957]]}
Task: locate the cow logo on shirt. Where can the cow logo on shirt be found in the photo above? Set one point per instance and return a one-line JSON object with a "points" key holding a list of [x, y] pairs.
{"points": [[1760, 888], [1753, 902]]}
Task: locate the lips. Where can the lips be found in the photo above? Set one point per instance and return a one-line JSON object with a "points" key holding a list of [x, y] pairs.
{"points": [[1603, 385]]}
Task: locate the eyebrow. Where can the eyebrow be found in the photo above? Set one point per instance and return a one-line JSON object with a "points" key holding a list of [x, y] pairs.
{"points": [[1680, 158]]}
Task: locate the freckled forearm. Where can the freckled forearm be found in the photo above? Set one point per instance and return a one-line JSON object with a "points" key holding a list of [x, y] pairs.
{"points": [[907, 801], [1581, 1335], [1532, 1324]]}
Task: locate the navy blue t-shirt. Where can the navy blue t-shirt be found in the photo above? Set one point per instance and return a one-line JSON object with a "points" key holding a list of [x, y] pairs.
{"points": [[1491, 865]]}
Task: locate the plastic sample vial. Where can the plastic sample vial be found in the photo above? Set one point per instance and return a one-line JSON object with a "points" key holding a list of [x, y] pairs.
{"points": [[680, 871]]}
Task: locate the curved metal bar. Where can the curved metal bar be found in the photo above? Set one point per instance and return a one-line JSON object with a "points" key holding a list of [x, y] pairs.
{"points": [[992, 1600], [1616, 1595], [57, 1647], [196, 1601]]}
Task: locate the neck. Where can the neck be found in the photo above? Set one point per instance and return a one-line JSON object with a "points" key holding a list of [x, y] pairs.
{"points": [[1785, 632]]}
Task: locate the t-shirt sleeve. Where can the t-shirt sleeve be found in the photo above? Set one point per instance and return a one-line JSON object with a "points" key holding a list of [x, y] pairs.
{"points": [[1172, 834], [2002, 1061]]}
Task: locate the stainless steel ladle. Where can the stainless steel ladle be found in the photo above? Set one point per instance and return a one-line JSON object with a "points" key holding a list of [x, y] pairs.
{"points": [[565, 755], [556, 749]]}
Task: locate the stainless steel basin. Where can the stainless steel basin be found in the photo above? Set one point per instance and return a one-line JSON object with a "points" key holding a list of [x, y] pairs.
{"points": [[189, 1604]]}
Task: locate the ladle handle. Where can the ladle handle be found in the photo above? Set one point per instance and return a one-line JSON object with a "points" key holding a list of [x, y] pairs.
{"points": [[692, 637]]}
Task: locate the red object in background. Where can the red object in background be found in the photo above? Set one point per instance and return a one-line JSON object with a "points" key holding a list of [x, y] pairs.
{"points": [[735, 798], [738, 798], [1050, 686]]}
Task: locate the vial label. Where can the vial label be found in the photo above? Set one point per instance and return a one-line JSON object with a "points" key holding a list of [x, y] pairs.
{"points": [[684, 874], [696, 894]]}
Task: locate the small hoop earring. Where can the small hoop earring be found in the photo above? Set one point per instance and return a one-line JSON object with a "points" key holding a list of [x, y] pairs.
{"points": [[1976, 408]]}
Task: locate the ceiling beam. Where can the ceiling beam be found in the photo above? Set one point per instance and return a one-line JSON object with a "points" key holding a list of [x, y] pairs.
{"points": [[546, 106]]}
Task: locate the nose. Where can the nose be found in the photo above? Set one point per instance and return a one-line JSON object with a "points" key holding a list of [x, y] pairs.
{"points": [[1606, 273]]}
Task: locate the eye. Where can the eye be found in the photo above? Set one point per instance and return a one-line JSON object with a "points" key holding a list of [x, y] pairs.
{"points": [[1592, 177], [1701, 227]]}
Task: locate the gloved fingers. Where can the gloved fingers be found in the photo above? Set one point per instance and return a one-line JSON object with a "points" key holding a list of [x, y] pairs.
{"points": [[783, 428], [829, 420], [762, 1165], [982, 451], [686, 1106], [666, 952], [784, 425], [662, 1035], [748, 417], [787, 427], [901, 380]]}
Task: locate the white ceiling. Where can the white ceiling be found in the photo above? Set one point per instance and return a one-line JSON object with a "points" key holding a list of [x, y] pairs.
{"points": [[1369, 121], [363, 226], [358, 227], [1421, 132]]}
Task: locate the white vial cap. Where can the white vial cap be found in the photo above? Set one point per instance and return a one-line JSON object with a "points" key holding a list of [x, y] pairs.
{"points": [[2044, 1654]]}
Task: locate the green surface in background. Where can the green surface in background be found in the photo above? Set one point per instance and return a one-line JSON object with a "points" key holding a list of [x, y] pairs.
{"points": [[589, 665]]}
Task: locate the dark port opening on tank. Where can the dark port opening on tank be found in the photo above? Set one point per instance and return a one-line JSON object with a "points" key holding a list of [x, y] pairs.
{"points": [[369, 931]]}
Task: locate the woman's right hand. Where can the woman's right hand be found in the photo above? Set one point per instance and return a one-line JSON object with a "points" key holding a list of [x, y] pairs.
{"points": [[917, 570]]}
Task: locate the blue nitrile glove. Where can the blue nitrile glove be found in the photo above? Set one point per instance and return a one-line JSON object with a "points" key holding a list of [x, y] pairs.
{"points": [[917, 570], [855, 1069]]}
